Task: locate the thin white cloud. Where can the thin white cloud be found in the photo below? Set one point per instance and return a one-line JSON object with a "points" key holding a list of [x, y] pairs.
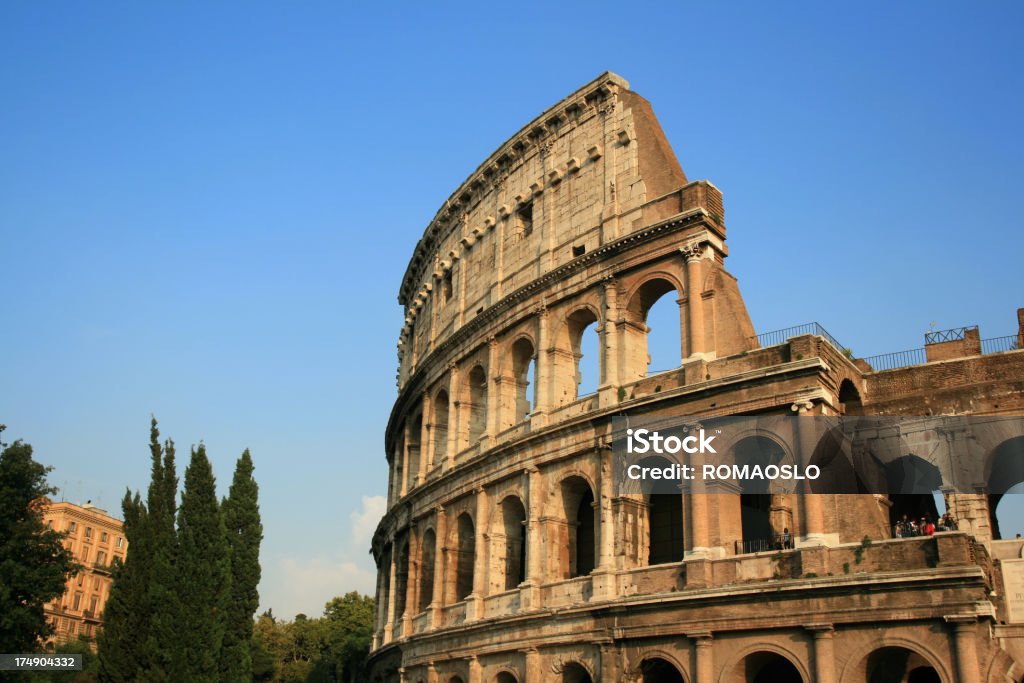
{"points": [[365, 520]]}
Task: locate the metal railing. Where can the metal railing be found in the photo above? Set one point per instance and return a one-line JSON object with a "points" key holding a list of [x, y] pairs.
{"points": [[1000, 344], [776, 337], [899, 359], [955, 334], [762, 545]]}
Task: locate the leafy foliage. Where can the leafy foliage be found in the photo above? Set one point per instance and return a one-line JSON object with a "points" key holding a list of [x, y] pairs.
{"points": [[34, 565]]}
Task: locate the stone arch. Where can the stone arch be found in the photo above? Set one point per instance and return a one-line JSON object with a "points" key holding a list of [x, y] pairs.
{"points": [[849, 398], [506, 676], [414, 449], [1004, 469], [476, 404], [857, 670], [523, 359], [648, 293], [664, 500], [910, 482], [576, 672], [428, 550], [439, 428], [455, 678], [833, 456], [401, 576], [658, 666], [461, 571], [761, 521], [582, 321], [766, 663], [513, 520], [579, 542]]}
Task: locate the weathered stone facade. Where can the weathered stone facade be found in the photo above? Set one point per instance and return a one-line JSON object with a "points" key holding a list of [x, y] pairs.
{"points": [[506, 554]]}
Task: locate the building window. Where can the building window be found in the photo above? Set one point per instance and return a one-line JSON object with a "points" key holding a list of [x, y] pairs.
{"points": [[447, 287], [101, 558], [49, 524], [88, 532], [93, 602], [120, 541], [78, 601], [103, 537], [85, 554], [72, 527], [524, 220]]}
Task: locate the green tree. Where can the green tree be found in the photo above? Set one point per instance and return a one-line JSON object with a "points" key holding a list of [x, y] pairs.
{"points": [[204, 575], [34, 565], [244, 533], [161, 598], [349, 625]]}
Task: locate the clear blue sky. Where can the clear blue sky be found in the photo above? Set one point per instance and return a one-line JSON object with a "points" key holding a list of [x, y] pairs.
{"points": [[206, 208]]}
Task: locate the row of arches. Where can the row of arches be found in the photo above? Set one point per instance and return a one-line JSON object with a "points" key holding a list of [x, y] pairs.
{"points": [[502, 389], [889, 664]]}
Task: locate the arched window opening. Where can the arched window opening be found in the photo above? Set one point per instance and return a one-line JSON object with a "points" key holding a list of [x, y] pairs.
{"points": [[505, 677], [849, 398], [440, 427], [755, 500], [385, 564], [574, 673], [455, 679], [586, 349], [413, 447], [899, 665], [653, 332], [1006, 476], [477, 404], [465, 555], [657, 670], [523, 370], [769, 667], [401, 577], [664, 516], [833, 456], [427, 554], [580, 513], [912, 482], [513, 516]]}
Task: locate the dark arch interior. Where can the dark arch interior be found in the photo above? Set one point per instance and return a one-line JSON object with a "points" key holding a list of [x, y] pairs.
{"points": [[664, 515], [585, 536], [910, 481], [849, 397], [899, 665], [755, 500], [514, 520], [466, 550], [574, 673], [505, 677], [769, 667], [427, 560], [1007, 470], [657, 670]]}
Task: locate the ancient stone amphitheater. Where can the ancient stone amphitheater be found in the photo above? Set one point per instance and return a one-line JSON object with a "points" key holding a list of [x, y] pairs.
{"points": [[506, 553]]}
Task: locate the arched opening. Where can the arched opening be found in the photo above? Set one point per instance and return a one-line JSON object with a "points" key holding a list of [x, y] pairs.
{"points": [[383, 599], [455, 679], [899, 665], [664, 516], [586, 350], [427, 550], [401, 577], [755, 499], [770, 667], [465, 554], [849, 398], [654, 336], [1006, 474], [413, 447], [523, 369], [513, 516], [505, 677], [574, 673], [658, 670], [833, 456], [477, 408], [440, 427], [912, 482], [580, 512]]}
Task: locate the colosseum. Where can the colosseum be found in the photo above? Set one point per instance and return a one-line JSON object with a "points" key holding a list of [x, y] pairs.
{"points": [[507, 552]]}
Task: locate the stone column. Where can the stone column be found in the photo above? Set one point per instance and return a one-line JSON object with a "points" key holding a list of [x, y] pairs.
{"points": [[494, 397], [426, 443], [704, 657], [412, 580], [476, 674], [824, 653], [532, 674], [966, 650], [530, 593], [694, 284], [431, 673], [603, 583], [404, 456], [812, 514], [381, 618], [609, 384], [475, 601], [389, 627], [437, 602], [454, 416], [542, 373], [609, 661]]}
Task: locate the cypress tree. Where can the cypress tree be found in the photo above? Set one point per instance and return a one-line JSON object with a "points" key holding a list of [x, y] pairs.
{"points": [[163, 603], [125, 617], [204, 575], [244, 533]]}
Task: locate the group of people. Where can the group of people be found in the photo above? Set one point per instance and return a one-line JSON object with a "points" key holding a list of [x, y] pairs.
{"points": [[908, 528]]}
